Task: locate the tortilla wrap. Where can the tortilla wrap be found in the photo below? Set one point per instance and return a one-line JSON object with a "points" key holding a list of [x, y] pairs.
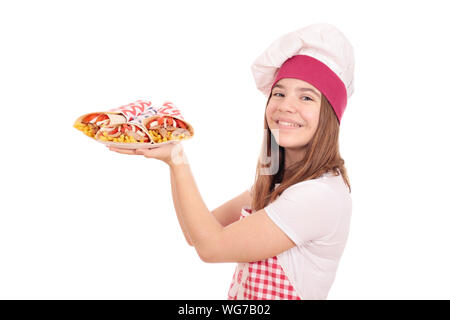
{"points": [[131, 132], [168, 127], [92, 122]]}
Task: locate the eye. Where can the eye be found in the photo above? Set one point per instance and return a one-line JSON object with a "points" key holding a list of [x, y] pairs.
{"points": [[275, 94]]}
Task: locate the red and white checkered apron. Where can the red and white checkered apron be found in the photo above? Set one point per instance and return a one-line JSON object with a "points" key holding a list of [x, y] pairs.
{"points": [[260, 280]]}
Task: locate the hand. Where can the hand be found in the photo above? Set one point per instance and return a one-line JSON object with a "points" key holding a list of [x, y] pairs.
{"points": [[170, 153]]}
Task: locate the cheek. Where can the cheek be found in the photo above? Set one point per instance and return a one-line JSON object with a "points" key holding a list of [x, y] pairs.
{"points": [[311, 116], [269, 113], [269, 109]]}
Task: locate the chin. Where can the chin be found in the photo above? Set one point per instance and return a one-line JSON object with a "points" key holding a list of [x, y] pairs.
{"points": [[290, 143], [289, 139]]}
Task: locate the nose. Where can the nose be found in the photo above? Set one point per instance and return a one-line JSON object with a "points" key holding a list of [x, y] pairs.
{"points": [[286, 106]]}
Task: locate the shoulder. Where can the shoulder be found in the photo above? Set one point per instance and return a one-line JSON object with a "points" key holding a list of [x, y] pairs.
{"points": [[327, 181], [326, 191]]}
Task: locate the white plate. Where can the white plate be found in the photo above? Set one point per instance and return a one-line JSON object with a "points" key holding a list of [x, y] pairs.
{"points": [[138, 145]]}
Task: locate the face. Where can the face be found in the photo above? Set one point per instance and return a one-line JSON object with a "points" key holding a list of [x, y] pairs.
{"points": [[293, 112]]}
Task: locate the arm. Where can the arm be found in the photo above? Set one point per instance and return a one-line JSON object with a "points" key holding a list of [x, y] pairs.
{"points": [[251, 239], [198, 220], [254, 238], [226, 214], [177, 209], [230, 211]]}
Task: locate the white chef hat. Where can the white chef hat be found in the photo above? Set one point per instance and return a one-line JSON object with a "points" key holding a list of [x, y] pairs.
{"points": [[318, 54]]}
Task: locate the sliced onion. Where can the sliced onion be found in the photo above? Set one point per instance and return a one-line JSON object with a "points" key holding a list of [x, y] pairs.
{"points": [[93, 120], [103, 122]]}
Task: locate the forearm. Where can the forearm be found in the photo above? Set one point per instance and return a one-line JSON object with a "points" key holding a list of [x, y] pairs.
{"points": [[201, 226], [177, 208]]}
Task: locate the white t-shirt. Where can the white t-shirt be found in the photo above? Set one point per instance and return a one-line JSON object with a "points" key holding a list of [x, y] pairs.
{"points": [[315, 214]]}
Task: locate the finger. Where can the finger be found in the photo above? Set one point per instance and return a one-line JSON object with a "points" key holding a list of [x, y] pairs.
{"points": [[144, 152], [143, 149], [124, 151]]}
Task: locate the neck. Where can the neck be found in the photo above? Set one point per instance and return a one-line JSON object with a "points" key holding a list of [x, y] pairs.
{"points": [[293, 155]]}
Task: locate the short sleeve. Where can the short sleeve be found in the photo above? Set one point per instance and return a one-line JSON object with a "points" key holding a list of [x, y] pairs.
{"points": [[306, 212]]}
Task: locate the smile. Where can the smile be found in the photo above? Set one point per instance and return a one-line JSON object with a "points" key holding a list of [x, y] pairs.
{"points": [[284, 124]]}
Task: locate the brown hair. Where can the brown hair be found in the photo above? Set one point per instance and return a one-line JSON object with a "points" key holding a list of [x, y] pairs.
{"points": [[322, 155]]}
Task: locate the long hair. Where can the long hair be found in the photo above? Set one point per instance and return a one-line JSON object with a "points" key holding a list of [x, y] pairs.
{"points": [[322, 155]]}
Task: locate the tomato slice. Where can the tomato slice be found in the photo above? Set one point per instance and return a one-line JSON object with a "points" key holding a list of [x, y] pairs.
{"points": [[114, 131], [90, 117], [181, 124], [161, 121], [102, 117], [170, 121]]}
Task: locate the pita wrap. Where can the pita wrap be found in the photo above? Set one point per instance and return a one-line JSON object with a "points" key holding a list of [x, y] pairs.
{"points": [[92, 122], [168, 124], [130, 132]]}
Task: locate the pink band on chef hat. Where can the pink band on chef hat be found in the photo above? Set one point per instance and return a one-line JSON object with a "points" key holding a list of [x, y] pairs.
{"points": [[319, 75]]}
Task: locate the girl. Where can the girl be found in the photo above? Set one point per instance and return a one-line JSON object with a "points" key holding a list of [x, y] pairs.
{"points": [[288, 231]]}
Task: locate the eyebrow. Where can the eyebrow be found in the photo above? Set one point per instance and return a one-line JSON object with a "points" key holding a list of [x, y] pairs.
{"points": [[298, 89]]}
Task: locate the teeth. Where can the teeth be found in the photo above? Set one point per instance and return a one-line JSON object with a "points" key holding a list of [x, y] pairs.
{"points": [[288, 124]]}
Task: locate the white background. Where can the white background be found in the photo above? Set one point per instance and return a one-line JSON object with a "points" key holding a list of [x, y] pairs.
{"points": [[81, 222]]}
